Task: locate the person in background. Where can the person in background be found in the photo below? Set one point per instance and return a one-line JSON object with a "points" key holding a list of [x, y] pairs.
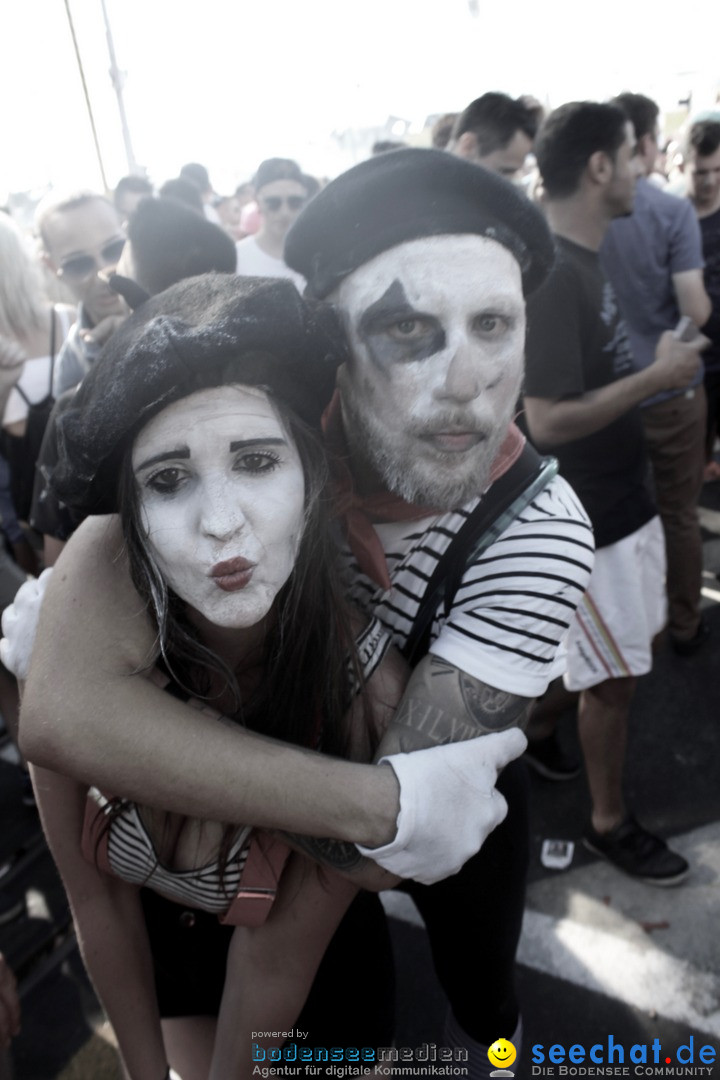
{"points": [[281, 192], [128, 192], [653, 258], [442, 130], [702, 178], [35, 329], [229, 210], [82, 239], [581, 403], [497, 132], [167, 241], [199, 177], [249, 212]]}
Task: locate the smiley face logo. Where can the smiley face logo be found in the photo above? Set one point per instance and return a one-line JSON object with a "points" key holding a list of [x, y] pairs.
{"points": [[502, 1053]]}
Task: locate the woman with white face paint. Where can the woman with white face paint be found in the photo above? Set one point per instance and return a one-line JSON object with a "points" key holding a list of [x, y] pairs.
{"points": [[199, 425]]}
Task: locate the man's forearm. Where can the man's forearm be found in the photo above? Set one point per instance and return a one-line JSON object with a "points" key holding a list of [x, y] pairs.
{"points": [[552, 423]]}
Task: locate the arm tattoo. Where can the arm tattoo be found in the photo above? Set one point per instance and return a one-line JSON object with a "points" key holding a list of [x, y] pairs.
{"points": [[443, 704], [333, 854]]}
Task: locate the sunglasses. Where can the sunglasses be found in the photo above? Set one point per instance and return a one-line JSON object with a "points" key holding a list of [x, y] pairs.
{"points": [[82, 266], [273, 202]]}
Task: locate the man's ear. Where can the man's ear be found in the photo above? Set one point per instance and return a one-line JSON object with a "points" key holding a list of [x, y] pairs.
{"points": [[467, 146], [600, 167], [647, 150]]}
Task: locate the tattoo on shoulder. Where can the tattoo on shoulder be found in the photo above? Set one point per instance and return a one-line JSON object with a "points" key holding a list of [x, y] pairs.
{"points": [[443, 704], [334, 854]]}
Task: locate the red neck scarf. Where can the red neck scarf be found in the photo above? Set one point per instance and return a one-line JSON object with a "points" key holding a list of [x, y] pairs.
{"points": [[359, 513]]}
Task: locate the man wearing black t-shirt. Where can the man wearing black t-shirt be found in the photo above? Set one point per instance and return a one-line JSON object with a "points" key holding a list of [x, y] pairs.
{"points": [[581, 402], [703, 172]]}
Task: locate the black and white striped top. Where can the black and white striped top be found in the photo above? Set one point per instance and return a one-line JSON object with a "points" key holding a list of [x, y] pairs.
{"points": [[132, 857], [514, 604]]}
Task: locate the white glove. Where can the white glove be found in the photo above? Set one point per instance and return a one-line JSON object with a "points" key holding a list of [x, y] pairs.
{"points": [[19, 625], [448, 805]]}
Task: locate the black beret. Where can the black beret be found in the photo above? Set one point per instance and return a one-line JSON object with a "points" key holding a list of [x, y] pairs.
{"points": [[404, 195], [203, 332]]}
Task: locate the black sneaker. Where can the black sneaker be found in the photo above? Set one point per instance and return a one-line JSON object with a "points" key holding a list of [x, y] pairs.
{"points": [[10, 909], [637, 852], [547, 757]]}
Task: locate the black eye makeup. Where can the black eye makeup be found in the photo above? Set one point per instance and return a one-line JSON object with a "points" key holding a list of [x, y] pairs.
{"points": [[393, 331]]}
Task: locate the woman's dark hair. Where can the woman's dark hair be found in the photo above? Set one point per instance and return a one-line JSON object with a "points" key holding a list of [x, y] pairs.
{"points": [[309, 646]]}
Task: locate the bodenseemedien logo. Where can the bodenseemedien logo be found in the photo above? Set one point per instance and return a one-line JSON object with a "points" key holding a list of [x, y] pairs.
{"points": [[501, 1054], [613, 1058]]}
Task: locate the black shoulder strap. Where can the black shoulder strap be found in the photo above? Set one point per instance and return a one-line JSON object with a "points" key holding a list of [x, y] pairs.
{"points": [[507, 497], [18, 387]]}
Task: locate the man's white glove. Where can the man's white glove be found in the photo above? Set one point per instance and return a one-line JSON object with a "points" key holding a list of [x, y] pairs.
{"points": [[19, 625], [448, 805]]}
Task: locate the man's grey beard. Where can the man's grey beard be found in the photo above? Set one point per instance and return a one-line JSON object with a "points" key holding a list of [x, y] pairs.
{"points": [[441, 486]]}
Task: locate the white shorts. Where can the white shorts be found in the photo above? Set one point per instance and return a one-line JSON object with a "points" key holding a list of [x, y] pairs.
{"points": [[623, 609]]}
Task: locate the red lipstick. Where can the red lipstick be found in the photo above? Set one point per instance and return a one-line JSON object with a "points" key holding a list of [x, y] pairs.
{"points": [[232, 574]]}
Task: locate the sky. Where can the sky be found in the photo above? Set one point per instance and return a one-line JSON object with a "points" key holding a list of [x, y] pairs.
{"points": [[229, 82]]}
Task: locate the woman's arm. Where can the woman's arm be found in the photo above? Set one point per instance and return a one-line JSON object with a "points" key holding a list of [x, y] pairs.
{"points": [[110, 927], [98, 728], [270, 968]]}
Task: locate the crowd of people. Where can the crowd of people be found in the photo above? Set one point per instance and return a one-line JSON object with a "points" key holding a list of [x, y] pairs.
{"points": [[396, 466]]}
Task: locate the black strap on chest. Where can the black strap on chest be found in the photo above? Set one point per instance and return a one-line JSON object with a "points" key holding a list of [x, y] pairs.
{"points": [[507, 497]]}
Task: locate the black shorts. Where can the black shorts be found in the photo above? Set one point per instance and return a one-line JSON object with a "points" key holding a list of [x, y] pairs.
{"points": [[352, 999], [189, 950]]}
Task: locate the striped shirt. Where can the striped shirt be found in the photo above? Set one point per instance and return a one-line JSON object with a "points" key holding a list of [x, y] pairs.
{"points": [[132, 857], [515, 602]]}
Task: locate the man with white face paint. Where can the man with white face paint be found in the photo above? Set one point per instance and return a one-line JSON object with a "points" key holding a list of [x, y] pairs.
{"points": [[427, 257], [430, 398]]}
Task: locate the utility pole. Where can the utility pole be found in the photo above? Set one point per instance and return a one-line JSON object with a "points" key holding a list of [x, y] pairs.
{"points": [[117, 78], [87, 95]]}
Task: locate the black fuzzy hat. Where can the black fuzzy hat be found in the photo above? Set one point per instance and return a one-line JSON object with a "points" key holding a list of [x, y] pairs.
{"points": [[393, 198], [203, 332]]}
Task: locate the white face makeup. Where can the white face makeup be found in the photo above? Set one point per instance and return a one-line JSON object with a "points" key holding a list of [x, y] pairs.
{"points": [[221, 490], [437, 328]]}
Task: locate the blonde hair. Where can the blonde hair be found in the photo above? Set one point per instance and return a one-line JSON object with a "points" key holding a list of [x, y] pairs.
{"points": [[23, 302]]}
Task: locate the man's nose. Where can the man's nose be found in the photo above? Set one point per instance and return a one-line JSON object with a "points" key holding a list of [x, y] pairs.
{"points": [[462, 381]]}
